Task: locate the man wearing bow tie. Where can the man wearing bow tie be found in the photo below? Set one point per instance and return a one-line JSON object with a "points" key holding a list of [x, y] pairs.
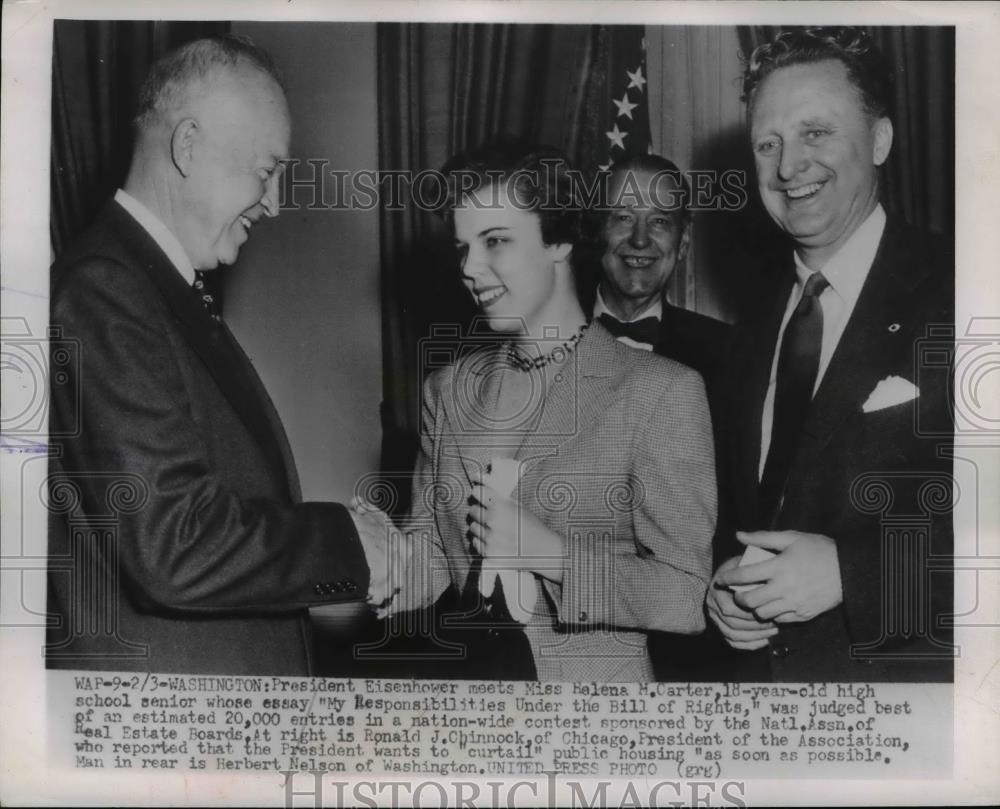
{"points": [[645, 231], [178, 540], [835, 433]]}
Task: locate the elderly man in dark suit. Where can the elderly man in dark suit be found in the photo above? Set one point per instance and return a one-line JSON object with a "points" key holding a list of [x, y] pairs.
{"points": [[644, 229], [836, 477], [210, 559]]}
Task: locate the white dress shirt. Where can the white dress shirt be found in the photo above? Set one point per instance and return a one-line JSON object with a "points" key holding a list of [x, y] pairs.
{"points": [[159, 232], [846, 272], [654, 310]]}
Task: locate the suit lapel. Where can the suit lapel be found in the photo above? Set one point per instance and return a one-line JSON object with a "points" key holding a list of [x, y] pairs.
{"points": [[470, 406], [747, 408], [211, 341], [868, 349], [270, 413], [667, 339], [598, 365]]}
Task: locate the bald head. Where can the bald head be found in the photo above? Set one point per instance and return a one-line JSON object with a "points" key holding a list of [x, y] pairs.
{"points": [[185, 70], [212, 131]]}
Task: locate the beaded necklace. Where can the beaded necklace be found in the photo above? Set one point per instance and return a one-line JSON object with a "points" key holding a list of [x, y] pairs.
{"points": [[557, 354]]}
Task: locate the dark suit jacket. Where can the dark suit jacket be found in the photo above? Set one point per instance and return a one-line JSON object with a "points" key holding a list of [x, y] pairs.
{"points": [[697, 341], [878, 482], [701, 343], [177, 539]]}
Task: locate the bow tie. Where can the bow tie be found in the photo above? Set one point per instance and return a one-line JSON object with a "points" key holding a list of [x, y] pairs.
{"points": [[645, 330]]}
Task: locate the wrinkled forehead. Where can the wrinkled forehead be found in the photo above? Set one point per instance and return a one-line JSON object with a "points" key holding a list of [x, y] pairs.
{"points": [[804, 90], [644, 188]]}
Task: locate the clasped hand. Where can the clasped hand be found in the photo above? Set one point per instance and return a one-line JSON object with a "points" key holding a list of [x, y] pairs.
{"points": [[800, 582], [501, 528]]}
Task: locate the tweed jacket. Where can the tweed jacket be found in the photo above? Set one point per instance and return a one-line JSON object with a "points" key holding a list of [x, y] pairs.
{"points": [[618, 459]]}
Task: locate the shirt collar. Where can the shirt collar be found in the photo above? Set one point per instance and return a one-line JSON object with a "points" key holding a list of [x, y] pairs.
{"points": [[848, 268], [159, 232], [655, 309]]}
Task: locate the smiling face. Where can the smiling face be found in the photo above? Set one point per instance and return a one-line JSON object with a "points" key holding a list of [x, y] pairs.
{"points": [[237, 143], [817, 153], [645, 235], [515, 278]]}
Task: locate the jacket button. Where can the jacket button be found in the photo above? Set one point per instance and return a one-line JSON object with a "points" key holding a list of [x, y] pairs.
{"points": [[583, 615], [780, 651]]}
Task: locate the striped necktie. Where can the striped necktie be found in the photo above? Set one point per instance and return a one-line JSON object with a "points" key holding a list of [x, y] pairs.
{"points": [[207, 288]]}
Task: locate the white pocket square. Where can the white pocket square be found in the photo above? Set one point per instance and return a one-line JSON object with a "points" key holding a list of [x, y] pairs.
{"points": [[892, 390]]}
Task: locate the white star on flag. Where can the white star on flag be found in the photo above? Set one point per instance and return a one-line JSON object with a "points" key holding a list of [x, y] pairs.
{"points": [[625, 106], [635, 79], [617, 137]]}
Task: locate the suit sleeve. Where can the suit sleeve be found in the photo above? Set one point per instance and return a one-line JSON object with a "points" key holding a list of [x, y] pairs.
{"points": [[187, 543], [658, 582]]}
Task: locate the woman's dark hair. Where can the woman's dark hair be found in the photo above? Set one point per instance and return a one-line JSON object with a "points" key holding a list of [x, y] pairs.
{"points": [[537, 177]]}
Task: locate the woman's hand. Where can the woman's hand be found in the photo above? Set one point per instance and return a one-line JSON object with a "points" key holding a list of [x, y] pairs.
{"points": [[511, 535], [388, 552]]}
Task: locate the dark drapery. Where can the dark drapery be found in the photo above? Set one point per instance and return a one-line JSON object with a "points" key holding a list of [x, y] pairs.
{"points": [[97, 67], [442, 89], [919, 177]]}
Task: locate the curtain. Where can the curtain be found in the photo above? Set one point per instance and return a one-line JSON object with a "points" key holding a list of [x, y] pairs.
{"points": [[697, 120], [97, 67], [919, 177], [444, 88]]}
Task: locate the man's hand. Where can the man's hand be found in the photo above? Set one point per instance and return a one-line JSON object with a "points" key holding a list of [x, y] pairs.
{"points": [[739, 627], [387, 550], [798, 584], [503, 529]]}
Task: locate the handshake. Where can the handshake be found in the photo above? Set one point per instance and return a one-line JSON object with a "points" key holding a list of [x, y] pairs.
{"points": [[389, 552]]}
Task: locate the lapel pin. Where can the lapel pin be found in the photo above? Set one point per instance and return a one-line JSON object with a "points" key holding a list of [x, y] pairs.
{"points": [[893, 328]]}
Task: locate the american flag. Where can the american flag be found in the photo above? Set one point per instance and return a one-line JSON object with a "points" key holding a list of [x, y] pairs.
{"points": [[625, 119]]}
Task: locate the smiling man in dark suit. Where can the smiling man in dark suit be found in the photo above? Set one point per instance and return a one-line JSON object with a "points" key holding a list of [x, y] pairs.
{"points": [[645, 231], [837, 477], [210, 559]]}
